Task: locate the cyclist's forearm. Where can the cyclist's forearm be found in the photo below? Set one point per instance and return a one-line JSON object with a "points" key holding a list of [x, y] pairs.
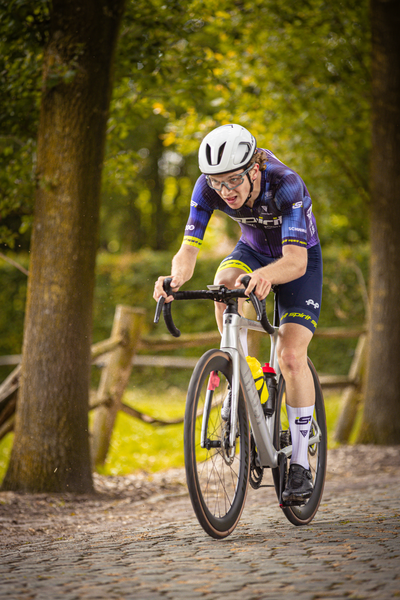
{"points": [[282, 271], [182, 269], [184, 262], [291, 266]]}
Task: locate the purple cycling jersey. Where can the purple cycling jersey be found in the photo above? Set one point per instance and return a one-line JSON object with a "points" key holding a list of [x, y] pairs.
{"points": [[282, 213]]}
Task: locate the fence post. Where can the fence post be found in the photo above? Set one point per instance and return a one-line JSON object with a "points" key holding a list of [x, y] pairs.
{"points": [[127, 324], [352, 394]]}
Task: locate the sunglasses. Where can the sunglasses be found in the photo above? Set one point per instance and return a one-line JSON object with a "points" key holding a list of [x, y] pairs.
{"points": [[233, 182]]}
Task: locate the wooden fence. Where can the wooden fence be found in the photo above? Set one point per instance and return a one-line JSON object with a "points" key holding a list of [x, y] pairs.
{"points": [[123, 351]]}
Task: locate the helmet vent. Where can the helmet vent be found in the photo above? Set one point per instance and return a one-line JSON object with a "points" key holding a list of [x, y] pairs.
{"points": [[243, 152], [221, 151], [211, 155]]}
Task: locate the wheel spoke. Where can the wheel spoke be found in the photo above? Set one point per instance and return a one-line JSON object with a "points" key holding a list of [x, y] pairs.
{"points": [[215, 479]]}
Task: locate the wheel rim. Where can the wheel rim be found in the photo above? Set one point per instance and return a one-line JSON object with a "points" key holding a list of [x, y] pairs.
{"points": [[217, 473]]}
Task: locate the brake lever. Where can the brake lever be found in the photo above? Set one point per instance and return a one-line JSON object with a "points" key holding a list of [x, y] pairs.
{"points": [[161, 300], [159, 307], [254, 300]]}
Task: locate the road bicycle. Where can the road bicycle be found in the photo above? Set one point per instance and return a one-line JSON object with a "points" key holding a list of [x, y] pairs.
{"points": [[223, 456]]}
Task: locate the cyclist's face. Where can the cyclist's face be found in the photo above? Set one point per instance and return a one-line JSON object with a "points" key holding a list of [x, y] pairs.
{"points": [[239, 186]]}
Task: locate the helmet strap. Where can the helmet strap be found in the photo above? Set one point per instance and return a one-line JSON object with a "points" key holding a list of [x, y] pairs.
{"points": [[251, 189]]}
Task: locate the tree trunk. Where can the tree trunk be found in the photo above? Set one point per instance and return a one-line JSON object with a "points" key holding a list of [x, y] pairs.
{"points": [[381, 419], [51, 446]]}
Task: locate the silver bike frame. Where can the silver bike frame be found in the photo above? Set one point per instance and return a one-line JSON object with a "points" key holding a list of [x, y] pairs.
{"points": [[262, 426]]}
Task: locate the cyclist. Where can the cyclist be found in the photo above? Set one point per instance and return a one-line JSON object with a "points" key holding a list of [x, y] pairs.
{"points": [[279, 245]]}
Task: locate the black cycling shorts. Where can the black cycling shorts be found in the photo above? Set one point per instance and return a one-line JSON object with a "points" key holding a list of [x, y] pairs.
{"points": [[299, 301]]}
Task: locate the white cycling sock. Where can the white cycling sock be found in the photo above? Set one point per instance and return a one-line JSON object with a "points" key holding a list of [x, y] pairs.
{"points": [[300, 423], [243, 340]]}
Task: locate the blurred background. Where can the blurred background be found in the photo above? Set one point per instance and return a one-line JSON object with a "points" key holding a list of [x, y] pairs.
{"points": [[297, 75]]}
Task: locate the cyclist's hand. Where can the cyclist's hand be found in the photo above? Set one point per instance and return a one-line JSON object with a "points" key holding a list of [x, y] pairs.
{"points": [[258, 281], [159, 290]]}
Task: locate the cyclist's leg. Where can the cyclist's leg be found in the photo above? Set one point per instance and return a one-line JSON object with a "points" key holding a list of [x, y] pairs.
{"points": [[299, 307], [292, 347], [293, 341], [317, 453], [227, 277]]}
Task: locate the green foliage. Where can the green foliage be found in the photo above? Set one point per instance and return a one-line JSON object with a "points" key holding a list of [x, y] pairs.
{"points": [[5, 451], [130, 279], [296, 75], [23, 33], [344, 304], [12, 300]]}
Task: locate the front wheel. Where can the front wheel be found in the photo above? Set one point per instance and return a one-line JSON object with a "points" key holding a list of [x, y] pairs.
{"points": [[217, 479], [317, 453]]}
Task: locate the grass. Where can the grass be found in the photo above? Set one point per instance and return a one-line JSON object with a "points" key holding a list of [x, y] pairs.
{"points": [[138, 446]]}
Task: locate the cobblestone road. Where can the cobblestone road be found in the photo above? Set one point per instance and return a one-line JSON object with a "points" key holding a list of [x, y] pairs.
{"points": [[155, 549]]}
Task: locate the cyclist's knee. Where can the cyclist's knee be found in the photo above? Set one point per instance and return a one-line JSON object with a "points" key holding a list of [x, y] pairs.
{"points": [[292, 349], [227, 277], [292, 360], [219, 308]]}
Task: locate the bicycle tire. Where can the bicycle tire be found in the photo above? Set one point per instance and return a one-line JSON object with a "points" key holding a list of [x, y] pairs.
{"points": [[317, 454], [217, 489]]}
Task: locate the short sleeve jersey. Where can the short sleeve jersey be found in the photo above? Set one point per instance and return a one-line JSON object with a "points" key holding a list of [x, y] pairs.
{"points": [[282, 213]]}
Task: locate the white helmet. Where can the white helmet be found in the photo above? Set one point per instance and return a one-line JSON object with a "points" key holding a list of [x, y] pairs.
{"points": [[226, 148]]}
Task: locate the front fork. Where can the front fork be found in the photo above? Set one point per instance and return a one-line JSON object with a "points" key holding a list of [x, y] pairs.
{"points": [[234, 402], [213, 383]]}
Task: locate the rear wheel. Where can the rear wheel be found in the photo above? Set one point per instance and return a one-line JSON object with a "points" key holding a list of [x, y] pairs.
{"points": [[217, 479], [317, 453]]}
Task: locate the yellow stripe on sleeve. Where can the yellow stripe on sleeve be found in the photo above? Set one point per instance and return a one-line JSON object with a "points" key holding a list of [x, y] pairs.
{"points": [[192, 241]]}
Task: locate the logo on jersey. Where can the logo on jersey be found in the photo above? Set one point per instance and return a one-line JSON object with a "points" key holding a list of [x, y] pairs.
{"points": [[297, 204], [315, 304], [310, 221], [298, 229], [268, 223], [189, 227]]}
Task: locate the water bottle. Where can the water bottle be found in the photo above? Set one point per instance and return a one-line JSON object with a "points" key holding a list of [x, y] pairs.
{"points": [[272, 386], [259, 379]]}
